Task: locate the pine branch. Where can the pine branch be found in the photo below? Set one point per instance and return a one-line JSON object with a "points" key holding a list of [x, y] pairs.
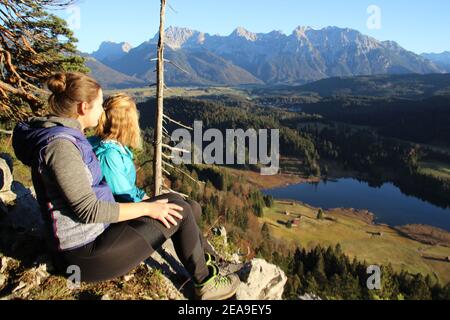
{"points": [[33, 45]]}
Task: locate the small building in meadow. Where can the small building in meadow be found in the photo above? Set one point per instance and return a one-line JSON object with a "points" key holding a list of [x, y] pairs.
{"points": [[295, 222]]}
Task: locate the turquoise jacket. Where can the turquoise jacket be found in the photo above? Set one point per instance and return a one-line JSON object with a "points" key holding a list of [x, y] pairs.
{"points": [[118, 169]]}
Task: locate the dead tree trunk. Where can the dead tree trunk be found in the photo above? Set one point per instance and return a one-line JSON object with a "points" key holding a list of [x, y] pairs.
{"points": [[157, 165], [161, 166]]}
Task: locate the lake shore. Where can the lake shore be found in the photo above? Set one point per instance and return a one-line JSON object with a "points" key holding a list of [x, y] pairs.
{"points": [[415, 248], [360, 237], [425, 234]]}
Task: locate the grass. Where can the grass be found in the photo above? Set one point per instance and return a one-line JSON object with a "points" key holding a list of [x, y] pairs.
{"points": [[139, 284], [435, 169], [226, 250], [357, 238], [267, 182]]}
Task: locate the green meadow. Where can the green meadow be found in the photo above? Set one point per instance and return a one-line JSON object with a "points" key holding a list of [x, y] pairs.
{"points": [[376, 244]]}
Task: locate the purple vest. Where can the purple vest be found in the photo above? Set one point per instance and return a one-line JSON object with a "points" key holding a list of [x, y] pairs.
{"points": [[30, 144], [45, 135]]}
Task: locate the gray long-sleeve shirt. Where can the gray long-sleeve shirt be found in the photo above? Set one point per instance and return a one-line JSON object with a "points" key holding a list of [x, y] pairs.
{"points": [[72, 177]]}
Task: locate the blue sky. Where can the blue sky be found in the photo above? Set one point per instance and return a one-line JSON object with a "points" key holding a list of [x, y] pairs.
{"points": [[418, 25]]}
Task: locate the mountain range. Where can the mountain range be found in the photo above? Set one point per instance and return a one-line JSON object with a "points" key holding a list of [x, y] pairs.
{"points": [[246, 58], [442, 60]]}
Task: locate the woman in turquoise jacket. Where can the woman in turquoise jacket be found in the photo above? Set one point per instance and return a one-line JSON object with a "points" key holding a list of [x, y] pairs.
{"points": [[118, 169], [118, 131]]}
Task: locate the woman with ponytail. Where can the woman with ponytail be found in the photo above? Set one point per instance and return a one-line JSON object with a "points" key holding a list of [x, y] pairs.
{"points": [[87, 227]]}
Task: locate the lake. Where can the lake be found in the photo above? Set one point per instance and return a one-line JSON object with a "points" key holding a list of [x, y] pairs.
{"points": [[388, 203]]}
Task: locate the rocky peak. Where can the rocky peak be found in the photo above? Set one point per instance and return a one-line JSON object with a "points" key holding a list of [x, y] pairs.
{"points": [[241, 32], [177, 37], [300, 31], [111, 50]]}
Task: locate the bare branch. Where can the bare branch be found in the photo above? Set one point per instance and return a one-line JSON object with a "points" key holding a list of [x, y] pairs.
{"points": [[178, 123], [168, 164], [178, 67], [175, 149], [171, 8], [167, 157], [172, 63], [165, 171], [8, 132]]}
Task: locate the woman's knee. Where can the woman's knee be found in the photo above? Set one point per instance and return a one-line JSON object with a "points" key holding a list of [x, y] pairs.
{"points": [[174, 197], [187, 212], [191, 208], [169, 196], [196, 210]]}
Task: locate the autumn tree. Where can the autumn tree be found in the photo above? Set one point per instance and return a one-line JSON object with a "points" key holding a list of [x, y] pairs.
{"points": [[33, 45]]}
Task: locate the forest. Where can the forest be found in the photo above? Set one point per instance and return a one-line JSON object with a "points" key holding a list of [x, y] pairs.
{"points": [[315, 139]]}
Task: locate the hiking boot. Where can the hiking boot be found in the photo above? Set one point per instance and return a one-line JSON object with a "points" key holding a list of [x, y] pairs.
{"points": [[224, 267], [210, 259], [217, 286]]}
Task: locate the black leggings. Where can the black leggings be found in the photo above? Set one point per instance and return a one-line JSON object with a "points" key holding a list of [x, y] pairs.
{"points": [[124, 245]]}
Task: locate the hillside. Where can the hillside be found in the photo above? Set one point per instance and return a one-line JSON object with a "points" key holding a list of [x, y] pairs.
{"points": [[408, 86], [110, 78]]}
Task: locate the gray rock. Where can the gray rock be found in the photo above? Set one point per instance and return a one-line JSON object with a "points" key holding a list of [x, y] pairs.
{"points": [[6, 177], [3, 280], [7, 197], [4, 263], [18, 202], [26, 213], [222, 232], [261, 281]]}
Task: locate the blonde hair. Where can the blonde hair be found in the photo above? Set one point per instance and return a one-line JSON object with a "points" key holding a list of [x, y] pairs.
{"points": [[68, 89], [120, 121]]}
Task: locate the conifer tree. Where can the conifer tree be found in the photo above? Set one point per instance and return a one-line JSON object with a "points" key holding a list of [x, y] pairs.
{"points": [[34, 44]]}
